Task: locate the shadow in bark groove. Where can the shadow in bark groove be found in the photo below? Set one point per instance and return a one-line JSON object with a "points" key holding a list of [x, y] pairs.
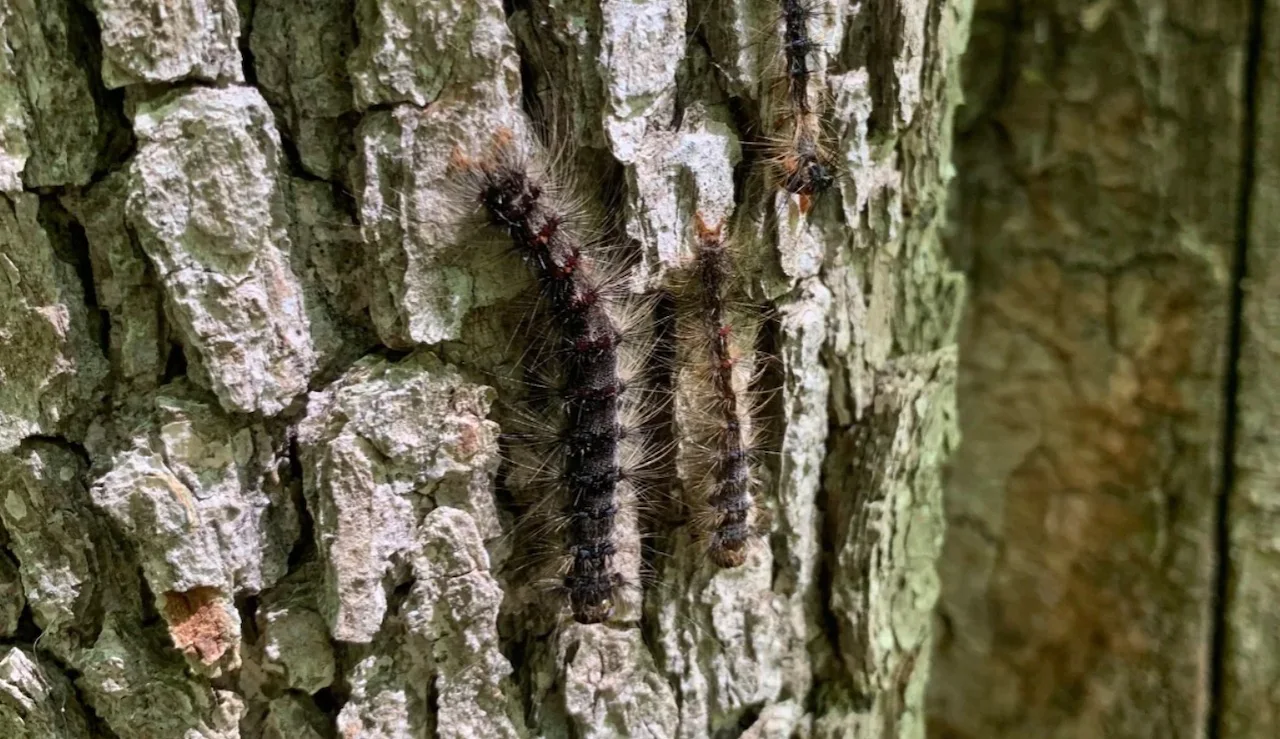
{"points": [[1231, 384]]}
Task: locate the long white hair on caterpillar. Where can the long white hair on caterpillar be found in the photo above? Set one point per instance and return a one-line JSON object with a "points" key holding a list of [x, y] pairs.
{"points": [[591, 407], [716, 373], [798, 150]]}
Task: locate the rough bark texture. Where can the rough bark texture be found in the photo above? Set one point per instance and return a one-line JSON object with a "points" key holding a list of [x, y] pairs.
{"points": [[1096, 212], [1250, 706], [254, 366]]}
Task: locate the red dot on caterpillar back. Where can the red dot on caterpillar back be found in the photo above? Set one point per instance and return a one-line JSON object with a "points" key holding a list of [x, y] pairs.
{"points": [[547, 231], [562, 271], [588, 344], [586, 299]]}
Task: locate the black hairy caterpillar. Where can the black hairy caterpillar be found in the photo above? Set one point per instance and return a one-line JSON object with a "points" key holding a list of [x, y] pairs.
{"points": [[716, 342], [804, 166], [594, 438]]}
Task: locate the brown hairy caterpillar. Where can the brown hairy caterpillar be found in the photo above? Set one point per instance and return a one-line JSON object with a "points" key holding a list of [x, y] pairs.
{"points": [[803, 165], [715, 341], [592, 445]]}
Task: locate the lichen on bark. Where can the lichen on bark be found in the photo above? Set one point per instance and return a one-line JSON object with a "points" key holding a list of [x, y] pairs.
{"points": [[50, 124], [251, 478], [51, 365], [1096, 216]]}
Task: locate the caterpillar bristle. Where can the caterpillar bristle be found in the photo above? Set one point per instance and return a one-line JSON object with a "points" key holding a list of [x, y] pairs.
{"points": [[715, 350], [793, 137], [764, 38], [578, 444], [803, 166]]}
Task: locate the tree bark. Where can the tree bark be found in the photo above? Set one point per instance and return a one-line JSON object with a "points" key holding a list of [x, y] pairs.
{"points": [[1250, 669], [254, 371], [1102, 153]]}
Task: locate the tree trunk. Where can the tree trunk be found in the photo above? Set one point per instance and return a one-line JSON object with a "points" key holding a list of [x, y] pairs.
{"points": [[1105, 154], [254, 370], [1250, 628]]}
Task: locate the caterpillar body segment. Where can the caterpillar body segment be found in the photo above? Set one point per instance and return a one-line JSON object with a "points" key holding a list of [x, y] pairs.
{"points": [[585, 462]]}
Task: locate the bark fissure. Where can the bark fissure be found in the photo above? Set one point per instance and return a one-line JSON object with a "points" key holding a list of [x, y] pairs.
{"points": [[1218, 663], [1103, 287]]}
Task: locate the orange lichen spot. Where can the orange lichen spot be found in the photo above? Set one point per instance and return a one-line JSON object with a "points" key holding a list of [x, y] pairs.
{"points": [[201, 623], [471, 436]]}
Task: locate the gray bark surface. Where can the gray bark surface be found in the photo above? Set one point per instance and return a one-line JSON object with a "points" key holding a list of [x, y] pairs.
{"points": [[254, 368]]}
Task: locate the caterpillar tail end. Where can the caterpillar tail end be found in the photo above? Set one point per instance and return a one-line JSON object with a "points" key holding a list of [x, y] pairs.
{"points": [[727, 557], [729, 546], [592, 610], [591, 597]]}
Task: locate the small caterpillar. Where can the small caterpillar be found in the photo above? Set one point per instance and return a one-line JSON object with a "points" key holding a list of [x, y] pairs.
{"points": [[805, 167], [592, 444], [716, 344]]}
